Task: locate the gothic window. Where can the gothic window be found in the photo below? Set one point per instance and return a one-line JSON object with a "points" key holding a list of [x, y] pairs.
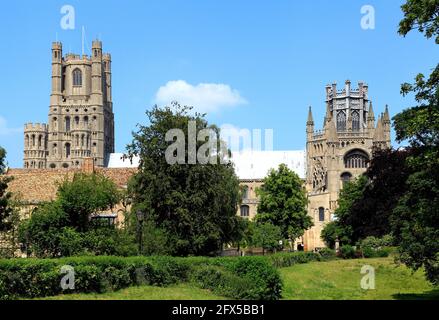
{"points": [[40, 141], [77, 78], [33, 140], [341, 121], [67, 124], [345, 178], [356, 159], [355, 121], [321, 214], [27, 141], [54, 149], [67, 151], [77, 122], [245, 211], [86, 121]]}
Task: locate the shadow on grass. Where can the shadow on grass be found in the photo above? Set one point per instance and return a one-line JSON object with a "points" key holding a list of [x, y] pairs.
{"points": [[429, 295]]}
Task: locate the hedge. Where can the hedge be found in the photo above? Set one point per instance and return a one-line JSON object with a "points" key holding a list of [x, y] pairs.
{"points": [[30, 278], [250, 278]]}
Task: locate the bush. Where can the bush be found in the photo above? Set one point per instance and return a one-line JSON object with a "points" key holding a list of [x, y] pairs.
{"points": [[347, 252], [239, 278]]}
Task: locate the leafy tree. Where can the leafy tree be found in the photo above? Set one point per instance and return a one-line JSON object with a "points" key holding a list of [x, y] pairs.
{"points": [[283, 203], [415, 222], [266, 236], [86, 195], [5, 197], [63, 227], [333, 231], [194, 204]]}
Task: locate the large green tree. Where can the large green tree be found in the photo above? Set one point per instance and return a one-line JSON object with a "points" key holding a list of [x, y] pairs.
{"points": [[415, 222], [195, 204], [283, 202]]}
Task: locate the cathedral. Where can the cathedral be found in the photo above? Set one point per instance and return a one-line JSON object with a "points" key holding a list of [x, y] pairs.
{"points": [[79, 135], [81, 120]]}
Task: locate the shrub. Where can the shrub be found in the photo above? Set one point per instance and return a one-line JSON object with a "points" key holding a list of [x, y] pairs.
{"points": [[347, 252], [239, 278], [282, 260]]}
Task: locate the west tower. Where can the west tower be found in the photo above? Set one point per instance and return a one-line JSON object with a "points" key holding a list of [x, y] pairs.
{"points": [[340, 151], [81, 120]]}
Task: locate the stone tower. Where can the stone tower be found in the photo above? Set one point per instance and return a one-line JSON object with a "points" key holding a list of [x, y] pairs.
{"points": [[340, 152], [81, 119]]}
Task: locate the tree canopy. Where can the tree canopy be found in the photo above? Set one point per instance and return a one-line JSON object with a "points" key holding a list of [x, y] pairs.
{"points": [[194, 203], [283, 202]]}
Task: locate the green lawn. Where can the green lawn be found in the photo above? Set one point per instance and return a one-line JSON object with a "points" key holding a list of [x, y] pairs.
{"points": [[340, 280], [177, 292]]}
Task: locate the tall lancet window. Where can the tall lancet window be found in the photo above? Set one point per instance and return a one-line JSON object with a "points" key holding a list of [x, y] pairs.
{"points": [[77, 78], [341, 121], [355, 121]]}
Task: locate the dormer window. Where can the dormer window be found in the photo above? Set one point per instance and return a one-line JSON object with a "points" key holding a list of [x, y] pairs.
{"points": [[77, 78]]}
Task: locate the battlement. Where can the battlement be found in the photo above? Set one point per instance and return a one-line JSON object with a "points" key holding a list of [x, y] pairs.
{"points": [[107, 56], [56, 45], [35, 127]]}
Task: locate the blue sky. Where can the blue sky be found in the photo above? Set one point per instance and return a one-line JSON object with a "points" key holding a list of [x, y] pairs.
{"points": [[274, 59]]}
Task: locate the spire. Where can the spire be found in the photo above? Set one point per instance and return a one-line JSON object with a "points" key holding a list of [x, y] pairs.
{"points": [[370, 114], [386, 117], [310, 120], [328, 115], [379, 132], [370, 117]]}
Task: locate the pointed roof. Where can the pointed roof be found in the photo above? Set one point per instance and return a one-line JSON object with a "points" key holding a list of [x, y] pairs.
{"points": [[386, 116], [370, 114], [379, 132], [310, 120], [328, 116]]}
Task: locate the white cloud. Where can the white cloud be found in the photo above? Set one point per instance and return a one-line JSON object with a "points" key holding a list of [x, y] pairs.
{"points": [[204, 97], [5, 130]]}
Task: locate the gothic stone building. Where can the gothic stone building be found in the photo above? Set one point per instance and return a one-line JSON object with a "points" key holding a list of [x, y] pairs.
{"points": [[80, 135], [81, 120], [340, 152]]}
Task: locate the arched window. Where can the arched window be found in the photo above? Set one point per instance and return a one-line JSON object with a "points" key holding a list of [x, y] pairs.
{"points": [[346, 177], [67, 124], [40, 141], [356, 159], [355, 121], [86, 122], [33, 140], [245, 211], [77, 78], [77, 122], [321, 214], [67, 147], [341, 121], [27, 141]]}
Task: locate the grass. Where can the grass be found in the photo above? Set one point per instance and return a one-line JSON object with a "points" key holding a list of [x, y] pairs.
{"points": [[340, 280], [335, 280], [177, 292]]}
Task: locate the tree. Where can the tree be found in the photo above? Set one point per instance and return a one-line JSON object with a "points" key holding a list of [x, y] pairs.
{"points": [[63, 227], [415, 222], [283, 203], [5, 197], [86, 195], [266, 236], [194, 203]]}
